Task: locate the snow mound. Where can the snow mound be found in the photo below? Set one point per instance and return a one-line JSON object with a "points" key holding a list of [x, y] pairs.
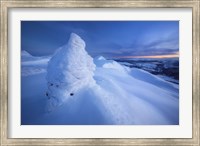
{"points": [[111, 64], [25, 56], [70, 69], [32, 65], [114, 65], [25, 53], [100, 58]]}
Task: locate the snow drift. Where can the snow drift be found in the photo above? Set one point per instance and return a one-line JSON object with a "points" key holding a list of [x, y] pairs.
{"points": [[96, 92], [32, 65]]}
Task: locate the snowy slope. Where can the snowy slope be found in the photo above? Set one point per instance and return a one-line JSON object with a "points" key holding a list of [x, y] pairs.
{"points": [[117, 95], [31, 65], [135, 91]]}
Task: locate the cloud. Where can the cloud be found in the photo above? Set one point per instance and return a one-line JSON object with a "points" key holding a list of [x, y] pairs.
{"points": [[157, 47]]}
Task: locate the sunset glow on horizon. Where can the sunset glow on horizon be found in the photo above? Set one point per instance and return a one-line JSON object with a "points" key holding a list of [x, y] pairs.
{"points": [[152, 56]]}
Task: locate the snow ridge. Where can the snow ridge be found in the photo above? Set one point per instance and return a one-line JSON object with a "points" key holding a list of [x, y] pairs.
{"points": [[93, 93]]}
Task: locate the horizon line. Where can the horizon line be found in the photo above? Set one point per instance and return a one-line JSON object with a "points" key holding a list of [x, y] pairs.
{"points": [[151, 56]]}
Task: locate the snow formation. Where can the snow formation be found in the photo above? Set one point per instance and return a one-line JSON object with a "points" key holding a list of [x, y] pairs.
{"points": [[69, 70], [25, 53], [32, 65], [102, 92], [100, 61]]}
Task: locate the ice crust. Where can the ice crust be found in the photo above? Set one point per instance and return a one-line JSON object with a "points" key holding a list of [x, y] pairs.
{"points": [[70, 69]]}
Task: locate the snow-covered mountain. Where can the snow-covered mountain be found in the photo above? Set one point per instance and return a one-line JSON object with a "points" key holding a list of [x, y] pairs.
{"points": [[77, 90], [25, 54]]}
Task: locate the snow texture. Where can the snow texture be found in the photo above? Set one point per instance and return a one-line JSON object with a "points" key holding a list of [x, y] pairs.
{"points": [[32, 65], [69, 70], [100, 61], [78, 93]]}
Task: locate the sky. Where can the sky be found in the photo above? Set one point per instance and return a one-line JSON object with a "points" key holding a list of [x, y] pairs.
{"points": [[111, 39]]}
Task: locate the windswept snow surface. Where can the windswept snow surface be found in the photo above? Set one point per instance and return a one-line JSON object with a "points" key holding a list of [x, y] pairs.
{"points": [[31, 65], [104, 92]]}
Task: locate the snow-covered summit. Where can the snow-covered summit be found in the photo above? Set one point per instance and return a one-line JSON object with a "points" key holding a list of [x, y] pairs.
{"points": [[100, 58], [25, 56], [25, 53], [70, 69], [76, 40]]}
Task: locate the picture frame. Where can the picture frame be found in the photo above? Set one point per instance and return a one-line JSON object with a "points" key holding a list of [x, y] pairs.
{"points": [[4, 91]]}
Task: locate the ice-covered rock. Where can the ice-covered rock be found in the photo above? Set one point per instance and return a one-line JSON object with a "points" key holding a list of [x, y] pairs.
{"points": [[70, 69]]}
